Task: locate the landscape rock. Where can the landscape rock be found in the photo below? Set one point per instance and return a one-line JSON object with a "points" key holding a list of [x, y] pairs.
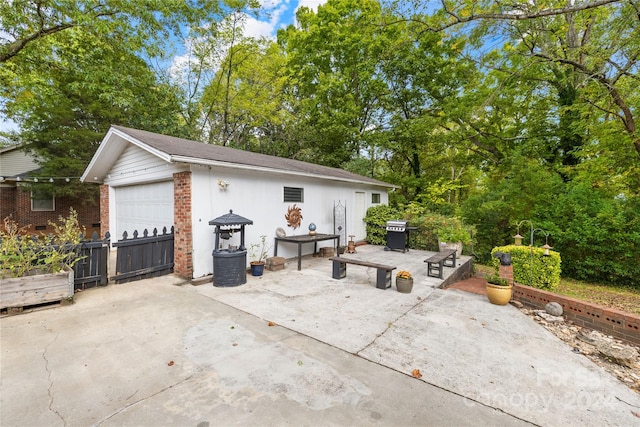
{"points": [[618, 353], [590, 337], [553, 308], [548, 317]]}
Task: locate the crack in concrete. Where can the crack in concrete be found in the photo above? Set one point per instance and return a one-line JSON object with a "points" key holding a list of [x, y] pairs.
{"points": [[142, 399], [49, 373], [390, 324]]}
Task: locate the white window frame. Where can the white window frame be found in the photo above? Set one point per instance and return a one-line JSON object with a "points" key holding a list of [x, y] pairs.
{"points": [[42, 209]]}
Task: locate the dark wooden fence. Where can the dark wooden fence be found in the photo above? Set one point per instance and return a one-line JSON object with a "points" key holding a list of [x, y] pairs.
{"points": [[143, 257], [92, 269]]}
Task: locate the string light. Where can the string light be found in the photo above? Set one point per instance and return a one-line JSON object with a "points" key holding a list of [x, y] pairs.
{"points": [[50, 179]]}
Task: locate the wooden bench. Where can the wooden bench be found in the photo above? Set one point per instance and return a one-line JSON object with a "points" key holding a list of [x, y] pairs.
{"points": [[383, 278], [435, 264]]}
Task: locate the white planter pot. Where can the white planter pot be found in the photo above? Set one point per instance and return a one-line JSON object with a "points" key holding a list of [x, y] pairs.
{"points": [[457, 246]]}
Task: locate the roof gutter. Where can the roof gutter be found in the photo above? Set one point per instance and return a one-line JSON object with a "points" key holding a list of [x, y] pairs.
{"points": [[205, 162]]}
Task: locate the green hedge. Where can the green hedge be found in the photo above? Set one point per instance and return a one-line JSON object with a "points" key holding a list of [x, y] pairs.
{"points": [[376, 220], [531, 267]]}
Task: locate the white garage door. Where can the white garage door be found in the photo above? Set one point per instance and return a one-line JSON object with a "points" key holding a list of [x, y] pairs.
{"points": [[141, 207]]}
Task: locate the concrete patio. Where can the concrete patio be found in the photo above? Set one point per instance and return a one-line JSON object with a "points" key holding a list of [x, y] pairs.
{"points": [[298, 348]]}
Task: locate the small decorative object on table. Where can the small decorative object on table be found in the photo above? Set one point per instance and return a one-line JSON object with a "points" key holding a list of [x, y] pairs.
{"points": [[312, 229], [404, 282]]}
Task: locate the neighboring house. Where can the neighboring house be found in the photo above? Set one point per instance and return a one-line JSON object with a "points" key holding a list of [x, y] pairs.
{"points": [[154, 181], [31, 206]]}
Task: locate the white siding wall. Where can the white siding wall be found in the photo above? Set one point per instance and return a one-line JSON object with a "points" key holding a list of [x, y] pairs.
{"points": [[15, 162], [259, 197], [137, 166]]}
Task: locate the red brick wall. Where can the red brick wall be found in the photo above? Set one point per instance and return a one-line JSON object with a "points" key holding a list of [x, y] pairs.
{"points": [[88, 212], [183, 241], [7, 202], [609, 321], [506, 272], [104, 211]]}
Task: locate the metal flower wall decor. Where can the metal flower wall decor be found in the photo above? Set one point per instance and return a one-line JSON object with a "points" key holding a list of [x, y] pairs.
{"points": [[293, 216]]}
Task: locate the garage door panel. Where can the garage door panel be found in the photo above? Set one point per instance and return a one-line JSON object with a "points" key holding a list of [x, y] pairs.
{"points": [[141, 207]]}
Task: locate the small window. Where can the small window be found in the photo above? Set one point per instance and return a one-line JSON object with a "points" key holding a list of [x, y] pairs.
{"points": [[375, 197], [293, 194], [42, 200]]}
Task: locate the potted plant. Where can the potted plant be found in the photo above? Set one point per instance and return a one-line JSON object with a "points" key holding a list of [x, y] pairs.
{"points": [[452, 234], [258, 253], [404, 282], [498, 290], [38, 269]]}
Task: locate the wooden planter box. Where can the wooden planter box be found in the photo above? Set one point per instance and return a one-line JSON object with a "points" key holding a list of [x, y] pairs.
{"points": [[38, 289]]}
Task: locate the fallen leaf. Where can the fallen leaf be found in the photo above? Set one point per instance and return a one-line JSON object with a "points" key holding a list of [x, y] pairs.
{"points": [[299, 362], [235, 344], [637, 414], [416, 373], [271, 324], [170, 363]]}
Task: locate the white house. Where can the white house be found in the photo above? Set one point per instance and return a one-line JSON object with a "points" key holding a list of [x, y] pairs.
{"points": [[155, 181]]}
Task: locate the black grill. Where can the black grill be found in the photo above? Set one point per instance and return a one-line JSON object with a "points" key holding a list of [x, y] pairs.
{"points": [[397, 236]]}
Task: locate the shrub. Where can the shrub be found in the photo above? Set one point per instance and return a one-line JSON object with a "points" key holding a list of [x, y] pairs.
{"points": [[20, 254], [531, 267], [430, 226], [376, 220], [452, 230], [599, 238], [494, 279]]}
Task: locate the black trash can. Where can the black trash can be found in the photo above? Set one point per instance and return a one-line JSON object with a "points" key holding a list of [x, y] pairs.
{"points": [[229, 265]]}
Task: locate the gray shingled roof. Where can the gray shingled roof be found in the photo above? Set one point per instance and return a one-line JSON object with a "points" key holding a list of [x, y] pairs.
{"points": [[186, 148]]}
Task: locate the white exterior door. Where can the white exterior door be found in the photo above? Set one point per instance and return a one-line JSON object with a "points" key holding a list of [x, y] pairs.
{"points": [[360, 230], [147, 206]]}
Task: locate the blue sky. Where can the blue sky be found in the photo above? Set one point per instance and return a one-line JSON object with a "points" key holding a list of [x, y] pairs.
{"points": [[282, 14]]}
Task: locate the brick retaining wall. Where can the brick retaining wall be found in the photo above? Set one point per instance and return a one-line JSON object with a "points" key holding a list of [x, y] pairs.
{"points": [[612, 322]]}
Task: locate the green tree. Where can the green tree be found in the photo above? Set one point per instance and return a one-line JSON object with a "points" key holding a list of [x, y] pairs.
{"points": [[141, 24], [333, 58], [65, 115]]}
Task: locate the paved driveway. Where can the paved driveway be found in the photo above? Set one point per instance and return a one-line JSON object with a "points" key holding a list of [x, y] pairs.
{"points": [[340, 352]]}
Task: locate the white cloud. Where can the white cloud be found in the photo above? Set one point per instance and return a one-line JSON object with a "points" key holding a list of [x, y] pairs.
{"points": [[311, 4], [267, 26], [257, 29]]}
